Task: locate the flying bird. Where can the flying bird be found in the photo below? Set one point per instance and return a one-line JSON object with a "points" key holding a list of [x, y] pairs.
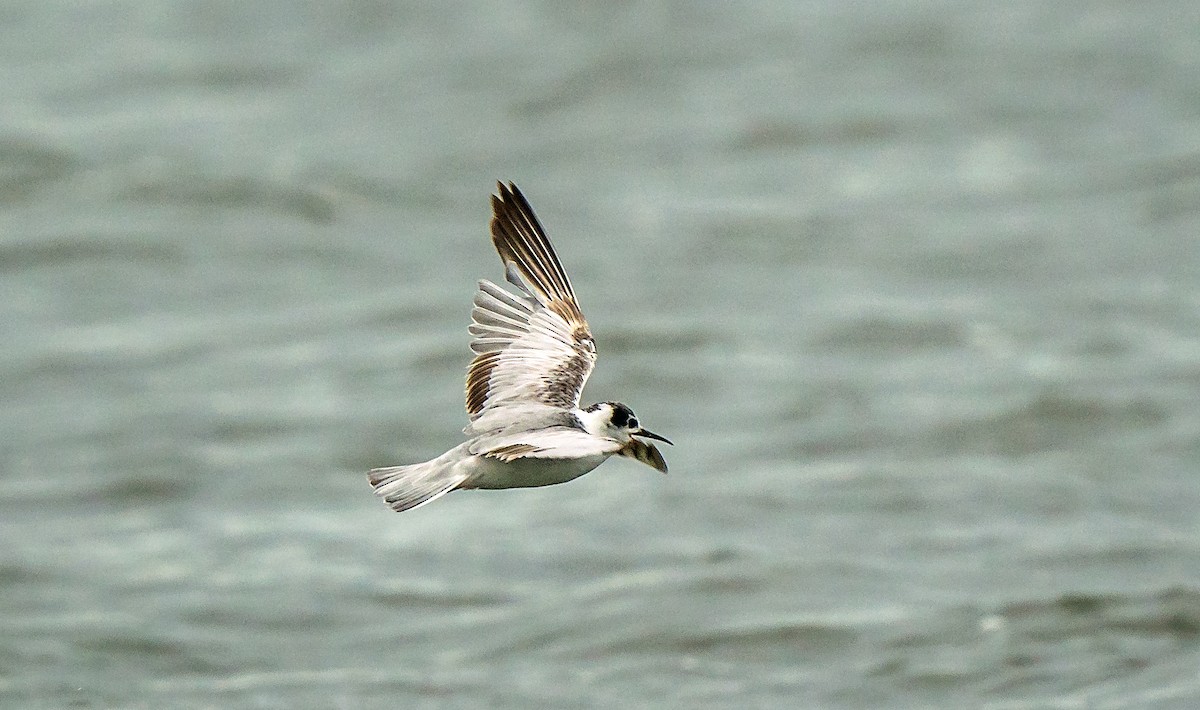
{"points": [[533, 354]]}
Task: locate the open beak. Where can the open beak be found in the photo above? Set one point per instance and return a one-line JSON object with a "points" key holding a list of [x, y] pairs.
{"points": [[651, 435]]}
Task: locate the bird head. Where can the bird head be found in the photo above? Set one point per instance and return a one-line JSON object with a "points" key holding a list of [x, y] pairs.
{"points": [[617, 421]]}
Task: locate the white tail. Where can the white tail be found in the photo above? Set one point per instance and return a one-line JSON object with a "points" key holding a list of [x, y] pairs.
{"points": [[408, 487]]}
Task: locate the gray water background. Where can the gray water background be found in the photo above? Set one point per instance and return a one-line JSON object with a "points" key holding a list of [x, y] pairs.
{"points": [[914, 287]]}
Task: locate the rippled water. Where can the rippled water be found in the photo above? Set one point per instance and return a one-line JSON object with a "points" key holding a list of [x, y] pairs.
{"points": [[914, 287]]}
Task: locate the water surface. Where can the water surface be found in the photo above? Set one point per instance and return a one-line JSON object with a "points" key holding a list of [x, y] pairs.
{"points": [[913, 286]]}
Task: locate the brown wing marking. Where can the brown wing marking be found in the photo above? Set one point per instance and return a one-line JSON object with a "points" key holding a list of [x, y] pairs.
{"points": [[644, 452], [512, 452], [514, 358], [478, 376], [521, 241]]}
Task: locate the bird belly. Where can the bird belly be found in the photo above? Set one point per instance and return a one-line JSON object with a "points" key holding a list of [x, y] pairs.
{"points": [[528, 472]]}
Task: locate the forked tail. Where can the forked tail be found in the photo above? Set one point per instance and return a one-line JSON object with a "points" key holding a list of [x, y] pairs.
{"points": [[408, 487]]}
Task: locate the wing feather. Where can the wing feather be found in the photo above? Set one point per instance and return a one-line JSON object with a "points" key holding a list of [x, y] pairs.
{"points": [[534, 347], [555, 443], [496, 298], [524, 248]]}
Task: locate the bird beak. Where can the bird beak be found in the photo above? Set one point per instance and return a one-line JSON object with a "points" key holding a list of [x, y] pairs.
{"points": [[650, 435], [646, 453]]}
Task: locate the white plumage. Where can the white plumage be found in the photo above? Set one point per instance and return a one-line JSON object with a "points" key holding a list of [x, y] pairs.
{"points": [[534, 353]]}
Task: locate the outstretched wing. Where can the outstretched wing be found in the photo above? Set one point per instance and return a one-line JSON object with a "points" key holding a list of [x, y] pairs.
{"points": [[534, 347], [556, 443]]}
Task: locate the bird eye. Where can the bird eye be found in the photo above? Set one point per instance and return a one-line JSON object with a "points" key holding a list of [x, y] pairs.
{"points": [[633, 423]]}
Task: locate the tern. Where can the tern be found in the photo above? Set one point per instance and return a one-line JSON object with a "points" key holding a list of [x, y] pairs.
{"points": [[533, 354]]}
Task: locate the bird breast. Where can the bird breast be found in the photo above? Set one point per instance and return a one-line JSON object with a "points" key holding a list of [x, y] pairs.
{"points": [[528, 472]]}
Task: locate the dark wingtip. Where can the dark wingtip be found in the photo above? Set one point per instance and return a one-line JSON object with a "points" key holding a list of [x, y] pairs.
{"points": [[646, 453], [507, 198], [506, 190]]}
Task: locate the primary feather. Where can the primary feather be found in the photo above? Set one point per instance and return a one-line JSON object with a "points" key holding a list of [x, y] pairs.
{"points": [[534, 347]]}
